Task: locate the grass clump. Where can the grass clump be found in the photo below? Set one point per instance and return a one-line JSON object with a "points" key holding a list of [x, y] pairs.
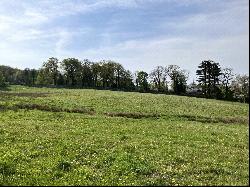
{"points": [[32, 106], [132, 115], [7, 169], [226, 120], [24, 94], [64, 166]]}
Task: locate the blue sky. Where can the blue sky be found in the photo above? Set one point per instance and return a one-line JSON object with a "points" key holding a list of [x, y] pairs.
{"points": [[140, 34]]}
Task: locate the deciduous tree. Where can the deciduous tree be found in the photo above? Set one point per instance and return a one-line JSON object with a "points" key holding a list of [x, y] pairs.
{"points": [[142, 81], [159, 78], [51, 67], [71, 67]]}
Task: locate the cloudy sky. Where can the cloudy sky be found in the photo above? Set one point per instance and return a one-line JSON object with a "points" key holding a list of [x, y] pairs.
{"points": [[140, 34]]}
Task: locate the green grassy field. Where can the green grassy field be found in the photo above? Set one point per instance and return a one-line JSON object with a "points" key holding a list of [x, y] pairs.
{"points": [[93, 137]]}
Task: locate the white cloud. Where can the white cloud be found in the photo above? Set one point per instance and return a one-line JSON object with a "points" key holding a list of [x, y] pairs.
{"points": [[185, 52], [33, 18], [28, 37], [232, 20], [57, 8], [64, 39], [26, 23]]}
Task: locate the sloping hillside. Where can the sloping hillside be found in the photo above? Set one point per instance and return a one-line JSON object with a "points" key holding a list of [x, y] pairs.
{"points": [[92, 137]]}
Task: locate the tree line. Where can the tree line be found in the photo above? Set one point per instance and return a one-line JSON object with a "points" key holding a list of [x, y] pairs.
{"points": [[212, 80]]}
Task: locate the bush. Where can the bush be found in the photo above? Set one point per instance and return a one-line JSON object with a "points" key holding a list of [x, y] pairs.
{"points": [[2, 81]]}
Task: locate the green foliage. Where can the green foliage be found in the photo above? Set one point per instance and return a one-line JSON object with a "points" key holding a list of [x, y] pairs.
{"points": [[131, 139], [51, 68], [108, 74], [71, 67], [2, 80], [9, 74], [87, 74], [141, 81], [178, 77], [208, 78], [16, 76], [43, 78]]}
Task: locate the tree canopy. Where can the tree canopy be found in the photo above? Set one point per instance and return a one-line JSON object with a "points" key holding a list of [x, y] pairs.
{"points": [[212, 80]]}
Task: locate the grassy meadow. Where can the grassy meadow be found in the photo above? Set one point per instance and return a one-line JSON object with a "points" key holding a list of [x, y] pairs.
{"points": [[52, 136]]}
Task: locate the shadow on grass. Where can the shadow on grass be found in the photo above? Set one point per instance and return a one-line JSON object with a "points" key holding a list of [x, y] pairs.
{"points": [[132, 115], [28, 106], [7, 169], [4, 88], [23, 94], [202, 119]]}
